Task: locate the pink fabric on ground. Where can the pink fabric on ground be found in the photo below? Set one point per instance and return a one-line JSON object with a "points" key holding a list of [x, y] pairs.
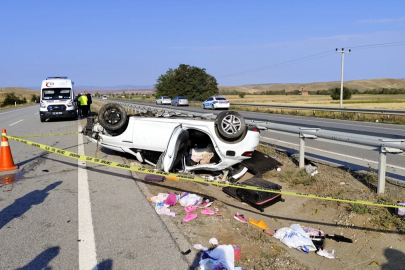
{"points": [[171, 199]]}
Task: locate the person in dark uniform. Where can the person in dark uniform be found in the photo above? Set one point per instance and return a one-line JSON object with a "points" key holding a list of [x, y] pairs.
{"points": [[89, 101]]}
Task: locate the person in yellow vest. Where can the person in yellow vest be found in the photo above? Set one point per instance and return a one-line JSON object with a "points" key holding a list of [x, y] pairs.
{"points": [[83, 104]]}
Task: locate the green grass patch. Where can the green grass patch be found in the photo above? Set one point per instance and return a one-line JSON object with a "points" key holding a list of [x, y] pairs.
{"points": [[362, 209]]}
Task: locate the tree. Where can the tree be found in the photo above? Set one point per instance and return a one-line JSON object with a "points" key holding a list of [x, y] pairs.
{"points": [[347, 93], [189, 81], [242, 94], [33, 98]]}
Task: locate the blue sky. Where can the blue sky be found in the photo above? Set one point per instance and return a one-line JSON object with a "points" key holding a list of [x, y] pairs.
{"points": [[107, 43]]}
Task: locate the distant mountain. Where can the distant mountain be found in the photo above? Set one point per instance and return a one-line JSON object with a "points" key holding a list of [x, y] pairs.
{"points": [[113, 88]]}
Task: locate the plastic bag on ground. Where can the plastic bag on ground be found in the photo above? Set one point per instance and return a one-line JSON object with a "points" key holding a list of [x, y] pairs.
{"points": [[221, 256], [310, 168]]}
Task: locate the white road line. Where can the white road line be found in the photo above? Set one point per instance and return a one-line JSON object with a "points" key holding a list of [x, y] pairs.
{"points": [[16, 110], [36, 113], [334, 153], [87, 245], [15, 123]]}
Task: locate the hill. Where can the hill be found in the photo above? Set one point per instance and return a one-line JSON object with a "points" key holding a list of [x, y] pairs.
{"points": [[19, 91], [360, 85]]}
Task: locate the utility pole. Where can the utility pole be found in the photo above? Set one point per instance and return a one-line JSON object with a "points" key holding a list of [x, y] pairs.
{"points": [[341, 76]]}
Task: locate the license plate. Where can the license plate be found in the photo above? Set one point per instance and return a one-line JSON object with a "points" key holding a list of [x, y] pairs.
{"points": [[223, 102], [56, 113]]}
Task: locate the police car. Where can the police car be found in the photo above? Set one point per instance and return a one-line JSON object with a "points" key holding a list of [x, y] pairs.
{"points": [[216, 102]]}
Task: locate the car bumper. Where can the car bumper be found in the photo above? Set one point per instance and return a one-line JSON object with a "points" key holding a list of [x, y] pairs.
{"points": [[64, 114], [166, 102], [222, 105]]}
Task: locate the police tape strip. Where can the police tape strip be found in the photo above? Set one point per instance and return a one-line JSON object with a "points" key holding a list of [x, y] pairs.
{"points": [[47, 135], [174, 176]]}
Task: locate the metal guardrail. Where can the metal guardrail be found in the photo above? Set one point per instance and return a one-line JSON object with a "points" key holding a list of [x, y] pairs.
{"points": [[385, 146]]}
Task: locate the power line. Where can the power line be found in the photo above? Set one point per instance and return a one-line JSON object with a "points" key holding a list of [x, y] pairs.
{"points": [[316, 56]]}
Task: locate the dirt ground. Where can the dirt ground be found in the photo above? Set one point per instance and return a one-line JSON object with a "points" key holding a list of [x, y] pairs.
{"points": [[377, 235]]}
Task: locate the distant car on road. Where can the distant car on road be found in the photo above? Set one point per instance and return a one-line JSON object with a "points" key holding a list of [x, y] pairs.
{"points": [[216, 103], [163, 100], [180, 101], [104, 97]]}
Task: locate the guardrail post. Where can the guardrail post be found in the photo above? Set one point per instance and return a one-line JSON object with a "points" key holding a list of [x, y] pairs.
{"points": [[302, 151], [382, 166]]}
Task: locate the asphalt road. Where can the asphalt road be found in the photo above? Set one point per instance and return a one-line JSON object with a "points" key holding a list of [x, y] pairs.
{"points": [[65, 214], [356, 157]]}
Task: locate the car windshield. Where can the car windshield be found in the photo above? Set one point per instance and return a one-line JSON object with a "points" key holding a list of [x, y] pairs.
{"points": [[56, 93], [220, 98], [166, 97]]}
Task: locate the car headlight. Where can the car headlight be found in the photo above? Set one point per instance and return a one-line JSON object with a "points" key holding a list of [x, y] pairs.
{"points": [[42, 105], [70, 104]]}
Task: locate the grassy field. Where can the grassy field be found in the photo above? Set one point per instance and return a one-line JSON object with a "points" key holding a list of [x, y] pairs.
{"points": [[395, 102], [360, 85]]}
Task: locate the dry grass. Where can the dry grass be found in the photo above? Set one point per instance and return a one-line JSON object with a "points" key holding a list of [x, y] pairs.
{"points": [[322, 100], [361, 85]]}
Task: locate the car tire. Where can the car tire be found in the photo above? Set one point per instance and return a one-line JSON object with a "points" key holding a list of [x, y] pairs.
{"points": [[112, 116], [177, 104], [42, 119], [203, 107], [212, 107], [230, 125]]}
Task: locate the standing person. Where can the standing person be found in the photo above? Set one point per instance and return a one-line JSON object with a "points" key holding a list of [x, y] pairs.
{"points": [[89, 101], [79, 108], [83, 104]]}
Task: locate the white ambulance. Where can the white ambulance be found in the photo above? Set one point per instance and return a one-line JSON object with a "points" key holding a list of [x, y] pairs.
{"points": [[57, 99]]}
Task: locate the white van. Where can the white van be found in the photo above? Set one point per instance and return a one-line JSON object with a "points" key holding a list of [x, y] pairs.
{"points": [[57, 99]]}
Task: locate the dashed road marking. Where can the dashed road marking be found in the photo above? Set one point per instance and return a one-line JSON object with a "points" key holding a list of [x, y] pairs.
{"points": [[15, 123]]}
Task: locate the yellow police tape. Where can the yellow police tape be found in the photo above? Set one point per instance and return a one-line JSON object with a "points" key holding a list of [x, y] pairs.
{"points": [[174, 176], [47, 135]]}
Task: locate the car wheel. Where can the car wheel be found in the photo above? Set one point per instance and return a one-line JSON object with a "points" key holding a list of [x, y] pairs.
{"points": [[177, 104], [112, 116], [230, 124], [203, 106], [212, 107], [42, 119]]}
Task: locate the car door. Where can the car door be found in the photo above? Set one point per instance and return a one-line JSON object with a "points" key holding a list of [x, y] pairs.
{"points": [[207, 103], [175, 151]]}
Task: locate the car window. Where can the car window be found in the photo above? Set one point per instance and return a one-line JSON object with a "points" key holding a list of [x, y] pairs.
{"points": [[220, 98], [182, 98], [209, 99], [166, 97]]}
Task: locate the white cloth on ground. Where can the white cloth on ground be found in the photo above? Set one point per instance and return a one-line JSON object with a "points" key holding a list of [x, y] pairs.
{"points": [[160, 197], [295, 237], [222, 255], [190, 199]]}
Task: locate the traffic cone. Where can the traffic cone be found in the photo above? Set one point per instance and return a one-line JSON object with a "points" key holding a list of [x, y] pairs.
{"points": [[6, 159]]}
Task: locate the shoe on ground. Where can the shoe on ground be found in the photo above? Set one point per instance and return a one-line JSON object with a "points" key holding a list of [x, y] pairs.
{"points": [[240, 217]]}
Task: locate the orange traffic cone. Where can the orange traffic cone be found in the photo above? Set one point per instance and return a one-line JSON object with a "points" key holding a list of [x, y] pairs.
{"points": [[6, 159]]}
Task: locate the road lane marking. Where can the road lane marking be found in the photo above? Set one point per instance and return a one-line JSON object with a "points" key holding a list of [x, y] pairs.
{"points": [[36, 113], [334, 153], [17, 110], [87, 245], [15, 123]]}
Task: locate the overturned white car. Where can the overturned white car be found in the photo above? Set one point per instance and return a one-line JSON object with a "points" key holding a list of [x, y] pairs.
{"points": [[176, 143]]}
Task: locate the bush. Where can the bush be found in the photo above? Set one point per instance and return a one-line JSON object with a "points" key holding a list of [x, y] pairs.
{"points": [[34, 98], [11, 99], [242, 94], [347, 93]]}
